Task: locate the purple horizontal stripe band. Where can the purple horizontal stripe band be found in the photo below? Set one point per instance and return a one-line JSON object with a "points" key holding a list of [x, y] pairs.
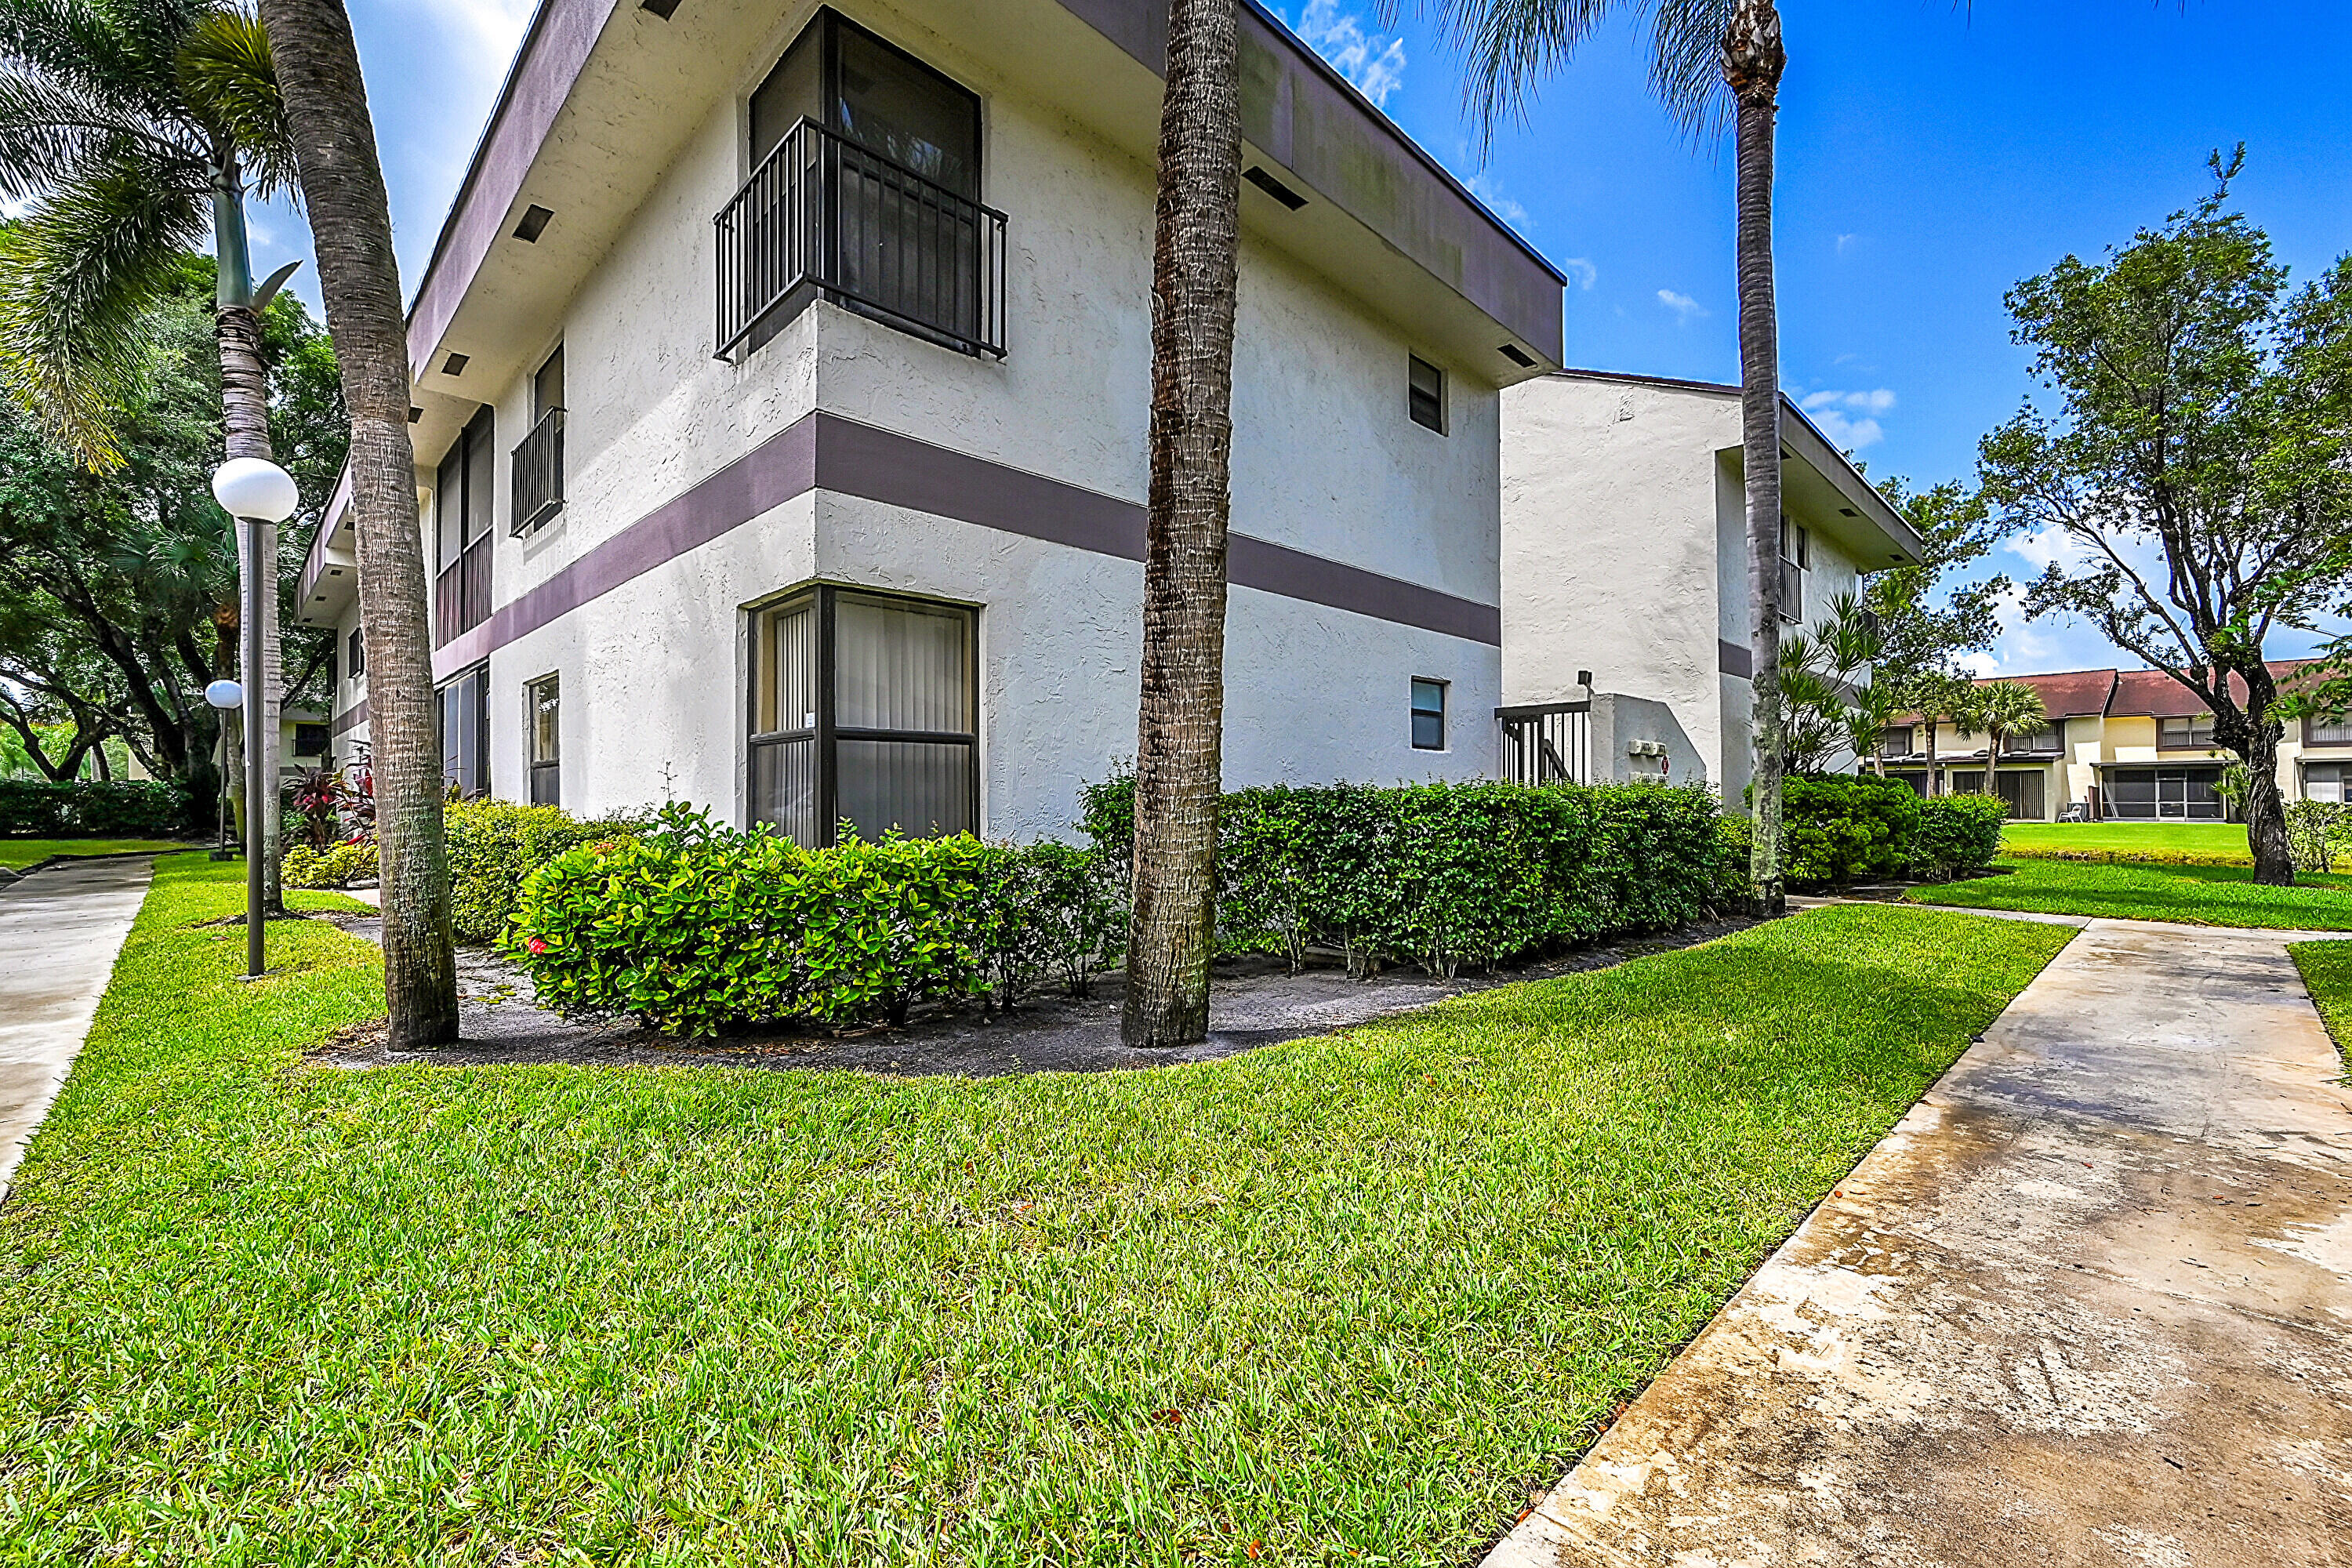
{"points": [[824, 451], [349, 719], [1730, 658]]}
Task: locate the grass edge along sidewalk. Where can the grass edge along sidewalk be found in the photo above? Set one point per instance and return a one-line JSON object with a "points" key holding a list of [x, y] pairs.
{"points": [[2191, 895], [2327, 971], [16, 854], [1354, 1295]]}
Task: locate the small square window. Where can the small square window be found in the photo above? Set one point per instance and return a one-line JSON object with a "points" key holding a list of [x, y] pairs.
{"points": [[1426, 394], [1428, 715], [310, 740]]}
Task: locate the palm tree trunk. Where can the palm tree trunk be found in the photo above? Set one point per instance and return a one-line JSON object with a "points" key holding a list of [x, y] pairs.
{"points": [[245, 423], [1178, 761], [351, 222], [1752, 61]]}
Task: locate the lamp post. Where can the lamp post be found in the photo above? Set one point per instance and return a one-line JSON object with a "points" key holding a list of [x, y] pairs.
{"points": [[259, 495], [224, 697]]}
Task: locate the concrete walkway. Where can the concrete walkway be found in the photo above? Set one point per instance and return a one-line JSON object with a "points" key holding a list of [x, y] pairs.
{"points": [[60, 931], [2090, 1303]]}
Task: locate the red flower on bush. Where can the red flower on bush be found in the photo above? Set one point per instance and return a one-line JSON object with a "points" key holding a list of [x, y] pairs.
{"points": [[538, 945]]}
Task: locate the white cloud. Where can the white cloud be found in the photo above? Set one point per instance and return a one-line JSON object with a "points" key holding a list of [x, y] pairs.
{"points": [[1850, 418], [1684, 307], [1488, 189], [1375, 64], [1581, 272], [1845, 242]]}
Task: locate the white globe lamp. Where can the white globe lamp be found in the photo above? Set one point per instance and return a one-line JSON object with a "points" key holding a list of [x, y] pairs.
{"points": [[257, 488], [224, 695]]}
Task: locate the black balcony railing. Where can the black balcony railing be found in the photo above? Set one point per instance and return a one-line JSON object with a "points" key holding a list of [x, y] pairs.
{"points": [[823, 216], [539, 473], [1548, 743], [461, 595]]}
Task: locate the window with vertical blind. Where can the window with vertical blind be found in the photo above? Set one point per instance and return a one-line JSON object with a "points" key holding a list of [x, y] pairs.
{"points": [[1428, 715], [465, 712], [864, 711]]}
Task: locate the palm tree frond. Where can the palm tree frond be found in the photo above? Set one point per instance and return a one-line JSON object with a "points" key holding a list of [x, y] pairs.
{"points": [[228, 77], [117, 52], [53, 136], [75, 277]]}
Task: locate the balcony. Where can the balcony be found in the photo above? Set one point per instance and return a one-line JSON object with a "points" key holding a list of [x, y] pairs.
{"points": [[539, 473], [823, 215], [461, 595]]}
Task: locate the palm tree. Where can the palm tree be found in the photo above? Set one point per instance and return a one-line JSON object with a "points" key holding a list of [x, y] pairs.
{"points": [[1179, 762], [1702, 52], [130, 127], [2004, 709], [351, 222]]}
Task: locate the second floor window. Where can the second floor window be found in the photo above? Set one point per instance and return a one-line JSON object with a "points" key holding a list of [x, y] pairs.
{"points": [[865, 189], [359, 653], [1796, 559], [2185, 734], [461, 521], [1895, 742], [539, 460], [1425, 396]]}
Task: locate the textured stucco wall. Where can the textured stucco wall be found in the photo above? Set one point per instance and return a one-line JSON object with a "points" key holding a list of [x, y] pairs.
{"points": [[1325, 460], [1625, 552]]}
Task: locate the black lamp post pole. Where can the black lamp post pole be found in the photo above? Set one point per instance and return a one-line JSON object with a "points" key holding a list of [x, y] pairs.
{"points": [[250, 635]]}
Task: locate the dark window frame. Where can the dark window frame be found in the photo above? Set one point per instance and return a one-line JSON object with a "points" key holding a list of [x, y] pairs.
{"points": [[826, 734], [359, 653], [2169, 739], [462, 583], [1430, 415], [1793, 569], [535, 467], [311, 739], [1443, 691], [472, 682], [546, 772]]}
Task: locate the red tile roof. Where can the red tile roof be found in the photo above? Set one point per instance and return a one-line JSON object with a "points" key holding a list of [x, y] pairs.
{"points": [[2125, 693]]}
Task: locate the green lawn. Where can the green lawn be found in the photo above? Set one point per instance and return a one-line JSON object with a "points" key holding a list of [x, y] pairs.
{"points": [[2217, 841], [1337, 1300], [2197, 895], [2328, 970], [20, 852]]}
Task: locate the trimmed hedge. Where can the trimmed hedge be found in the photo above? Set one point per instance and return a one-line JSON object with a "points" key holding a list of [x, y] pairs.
{"points": [[1448, 874], [95, 808], [1957, 833], [698, 927], [495, 844], [1840, 827]]}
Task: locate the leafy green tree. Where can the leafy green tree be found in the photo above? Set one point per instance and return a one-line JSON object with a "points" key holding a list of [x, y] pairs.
{"points": [[1932, 614], [113, 580], [2196, 459], [130, 127], [2003, 711], [1827, 691]]}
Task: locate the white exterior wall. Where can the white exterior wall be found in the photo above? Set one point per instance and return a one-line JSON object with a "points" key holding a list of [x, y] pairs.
{"points": [[1325, 460], [1625, 552]]}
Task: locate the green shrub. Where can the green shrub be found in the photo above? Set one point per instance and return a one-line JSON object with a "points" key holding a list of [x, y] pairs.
{"points": [[1735, 883], [2315, 830], [1444, 875], [95, 808], [1838, 826], [338, 866], [1957, 833], [495, 844], [697, 927]]}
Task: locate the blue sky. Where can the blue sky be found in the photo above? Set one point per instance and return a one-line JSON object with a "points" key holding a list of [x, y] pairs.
{"points": [[1931, 153]]}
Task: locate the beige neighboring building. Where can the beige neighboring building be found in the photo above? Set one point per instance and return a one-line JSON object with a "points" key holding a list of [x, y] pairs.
{"points": [[2121, 745], [1625, 560]]}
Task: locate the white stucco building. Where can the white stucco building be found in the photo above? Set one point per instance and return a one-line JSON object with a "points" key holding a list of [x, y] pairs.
{"points": [[782, 382], [1625, 558]]}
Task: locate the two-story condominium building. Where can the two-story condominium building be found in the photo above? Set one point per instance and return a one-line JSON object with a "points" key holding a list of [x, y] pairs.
{"points": [[782, 391], [2121, 745], [1625, 570]]}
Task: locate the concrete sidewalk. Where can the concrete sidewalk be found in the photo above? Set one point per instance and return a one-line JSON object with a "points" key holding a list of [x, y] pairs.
{"points": [[2090, 1303], [60, 931]]}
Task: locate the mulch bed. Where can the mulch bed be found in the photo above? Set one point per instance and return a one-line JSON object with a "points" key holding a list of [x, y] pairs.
{"points": [[1253, 1002]]}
